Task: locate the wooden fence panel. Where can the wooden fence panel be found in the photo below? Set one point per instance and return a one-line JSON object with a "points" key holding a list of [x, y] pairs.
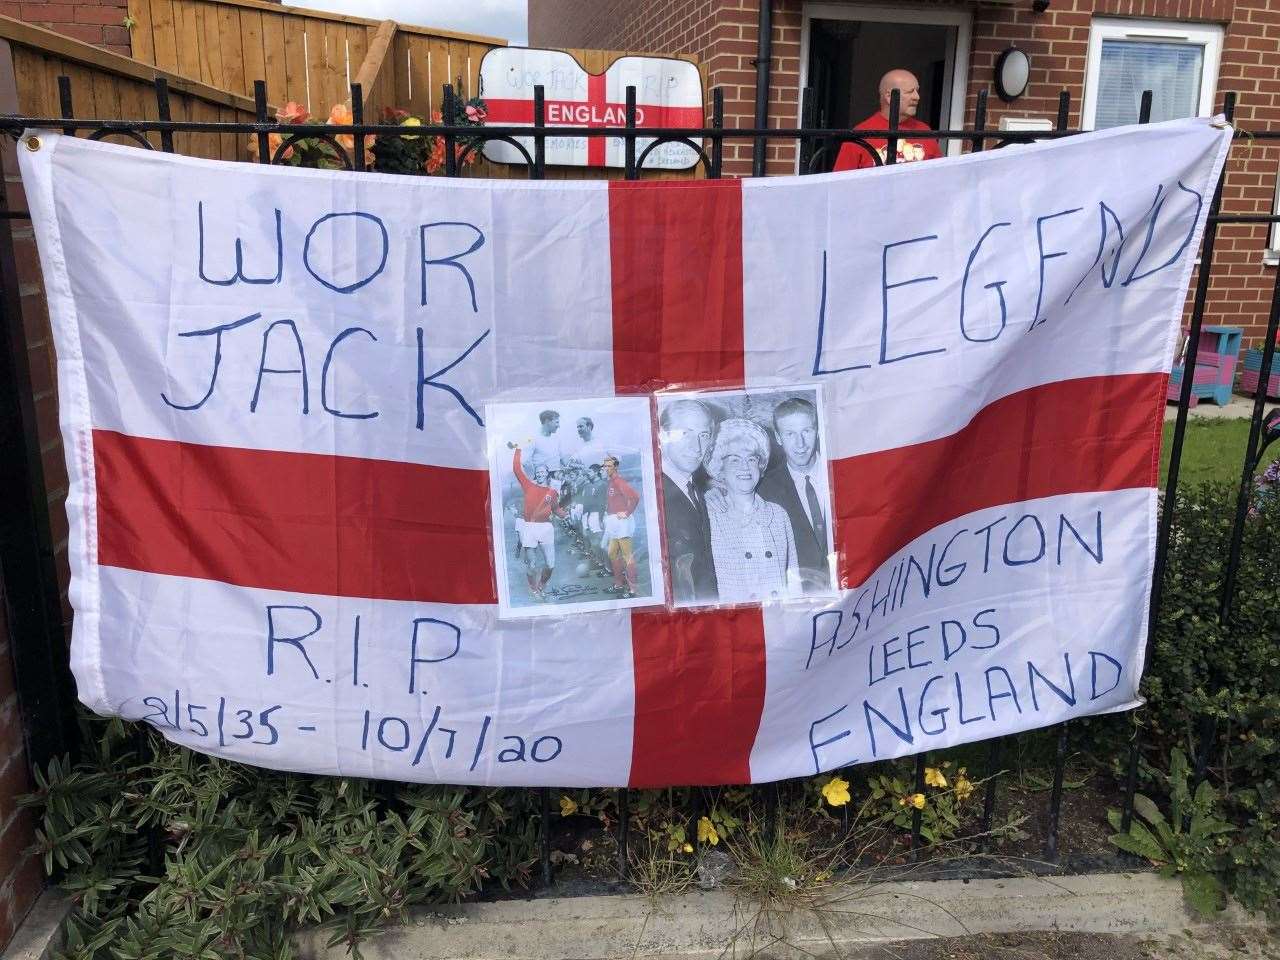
{"points": [[306, 56], [309, 56], [105, 86]]}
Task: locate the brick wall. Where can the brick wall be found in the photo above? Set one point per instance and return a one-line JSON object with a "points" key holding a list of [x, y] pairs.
{"points": [[21, 875], [100, 22], [1057, 42]]}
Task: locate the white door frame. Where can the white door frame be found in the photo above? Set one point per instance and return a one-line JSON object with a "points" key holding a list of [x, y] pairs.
{"points": [[957, 60]]}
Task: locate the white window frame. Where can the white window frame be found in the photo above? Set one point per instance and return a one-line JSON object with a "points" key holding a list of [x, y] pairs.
{"points": [[957, 60], [1207, 35]]}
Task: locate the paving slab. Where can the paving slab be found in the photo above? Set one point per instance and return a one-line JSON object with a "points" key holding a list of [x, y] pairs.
{"points": [[40, 933], [1237, 408], [703, 925]]}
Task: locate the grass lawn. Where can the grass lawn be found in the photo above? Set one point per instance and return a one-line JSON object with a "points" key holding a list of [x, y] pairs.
{"points": [[1212, 452]]}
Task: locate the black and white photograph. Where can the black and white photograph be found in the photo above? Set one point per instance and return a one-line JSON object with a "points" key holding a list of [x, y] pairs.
{"points": [[575, 513], [746, 495]]}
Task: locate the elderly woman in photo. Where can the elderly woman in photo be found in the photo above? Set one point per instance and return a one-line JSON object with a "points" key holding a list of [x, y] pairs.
{"points": [[752, 545]]}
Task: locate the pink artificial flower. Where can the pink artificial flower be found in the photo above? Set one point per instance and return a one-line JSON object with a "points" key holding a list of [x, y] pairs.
{"points": [[475, 114], [292, 112]]}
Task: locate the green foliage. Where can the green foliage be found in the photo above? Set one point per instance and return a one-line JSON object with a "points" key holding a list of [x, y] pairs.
{"points": [[244, 856], [401, 154], [1189, 844], [941, 811], [1227, 671], [1253, 865]]}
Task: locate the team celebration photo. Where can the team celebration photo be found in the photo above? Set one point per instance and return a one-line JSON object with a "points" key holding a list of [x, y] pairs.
{"points": [[575, 516]]}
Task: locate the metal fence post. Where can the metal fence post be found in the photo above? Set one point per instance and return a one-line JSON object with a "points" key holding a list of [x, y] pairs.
{"points": [[1060, 754], [624, 825], [1175, 453], [163, 112], [544, 833], [357, 118], [917, 814], [806, 122], [260, 112], [630, 144], [980, 121], [1055, 795], [895, 115], [449, 116], [992, 772], [539, 138], [64, 103], [717, 139]]}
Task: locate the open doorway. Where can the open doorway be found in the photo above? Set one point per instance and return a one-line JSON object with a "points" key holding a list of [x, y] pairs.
{"points": [[848, 49]]}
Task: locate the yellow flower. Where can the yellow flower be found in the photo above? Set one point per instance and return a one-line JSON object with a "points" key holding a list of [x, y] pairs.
{"points": [[707, 832], [934, 778], [687, 848], [567, 807], [411, 122], [836, 791], [964, 787], [913, 800]]}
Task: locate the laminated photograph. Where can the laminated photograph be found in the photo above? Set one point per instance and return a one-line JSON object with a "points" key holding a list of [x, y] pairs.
{"points": [[575, 513], [746, 494]]}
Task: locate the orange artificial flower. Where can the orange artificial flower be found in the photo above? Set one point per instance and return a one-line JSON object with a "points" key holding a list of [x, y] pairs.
{"points": [[273, 144], [340, 115]]}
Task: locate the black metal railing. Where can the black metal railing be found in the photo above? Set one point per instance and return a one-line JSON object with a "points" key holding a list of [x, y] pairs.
{"points": [[813, 145]]}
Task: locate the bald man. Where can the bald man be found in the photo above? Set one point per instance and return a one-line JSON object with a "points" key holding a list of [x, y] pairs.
{"points": [[853, 157]]}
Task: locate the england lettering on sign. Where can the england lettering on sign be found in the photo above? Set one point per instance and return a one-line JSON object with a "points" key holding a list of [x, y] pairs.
{"points": [[668, 96]]}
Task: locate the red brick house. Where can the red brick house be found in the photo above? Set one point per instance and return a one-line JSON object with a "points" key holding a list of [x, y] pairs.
{"points": [[1102, 52]]}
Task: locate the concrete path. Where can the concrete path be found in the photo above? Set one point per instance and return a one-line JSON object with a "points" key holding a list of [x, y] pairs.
{"points": [[1238, 407], [706, 925]]}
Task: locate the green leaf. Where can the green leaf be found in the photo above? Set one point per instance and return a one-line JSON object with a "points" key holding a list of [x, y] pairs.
{"points": [[1146, 808], [1202, 892], [1140, 842]]}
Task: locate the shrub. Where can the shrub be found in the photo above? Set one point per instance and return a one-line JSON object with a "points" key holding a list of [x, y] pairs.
{"points": [[167, 853], [1188, 844], [1228, 672]]}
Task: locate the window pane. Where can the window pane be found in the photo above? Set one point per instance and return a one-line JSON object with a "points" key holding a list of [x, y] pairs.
{"points": [[1171, 71]]}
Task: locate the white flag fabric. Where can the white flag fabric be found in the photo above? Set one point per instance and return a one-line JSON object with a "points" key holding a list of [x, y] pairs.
{"points": [[272, 384]]}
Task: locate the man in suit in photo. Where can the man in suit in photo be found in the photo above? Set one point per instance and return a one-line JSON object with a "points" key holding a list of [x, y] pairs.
{"points": [[686, 436], [800, 486]]}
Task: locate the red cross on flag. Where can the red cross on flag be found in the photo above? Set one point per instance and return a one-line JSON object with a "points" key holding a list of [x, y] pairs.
{"points": [[668, 94], [273, 382]]}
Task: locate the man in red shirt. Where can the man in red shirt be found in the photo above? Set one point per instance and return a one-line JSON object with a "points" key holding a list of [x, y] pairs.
{"points": [[854, 157], [621, 501], [537, 535]]}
